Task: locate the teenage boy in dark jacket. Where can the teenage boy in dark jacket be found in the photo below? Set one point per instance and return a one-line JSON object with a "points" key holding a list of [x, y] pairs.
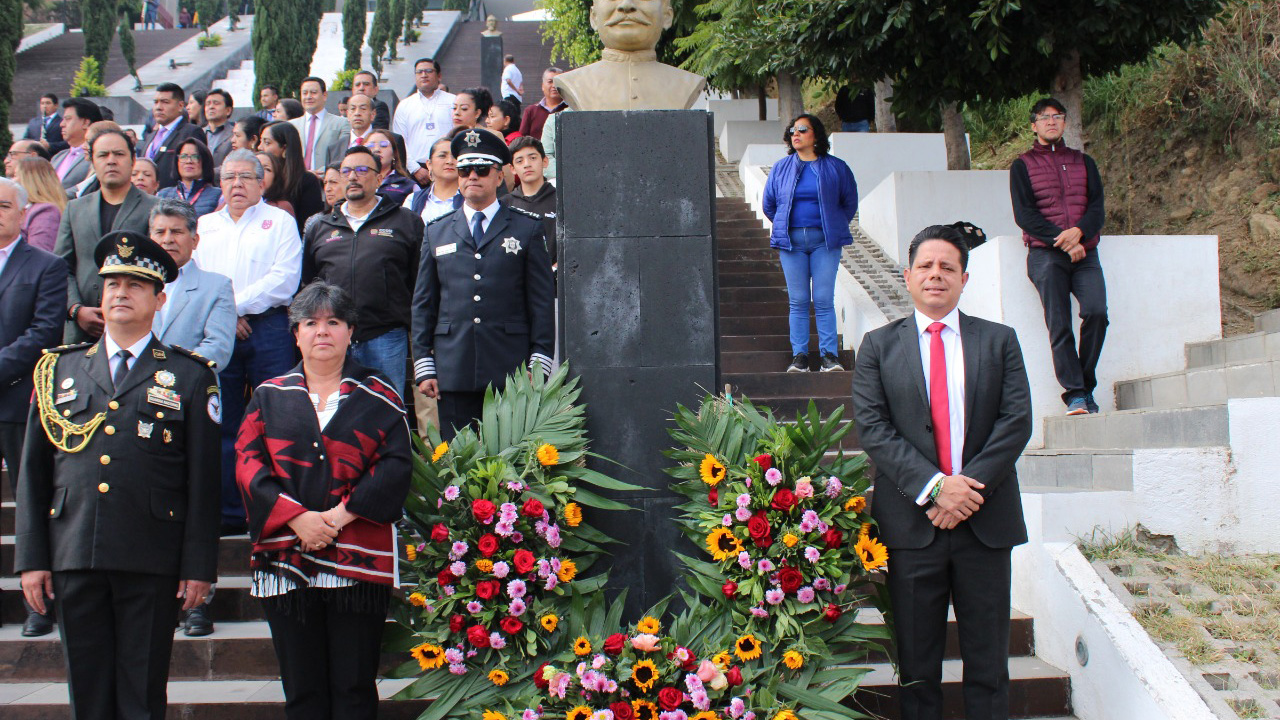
{"points": [[535, 194], [369, 247]]}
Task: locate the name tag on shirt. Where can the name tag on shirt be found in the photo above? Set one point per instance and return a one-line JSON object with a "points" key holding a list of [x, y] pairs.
{"points": [[447, 249]]}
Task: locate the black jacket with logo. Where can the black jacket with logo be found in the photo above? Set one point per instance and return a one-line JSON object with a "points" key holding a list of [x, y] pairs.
{"points": [[377, 266]]}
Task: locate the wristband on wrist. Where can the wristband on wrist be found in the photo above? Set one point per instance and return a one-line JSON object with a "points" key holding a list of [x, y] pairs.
{"points": [[937, 489], [74, 311]]}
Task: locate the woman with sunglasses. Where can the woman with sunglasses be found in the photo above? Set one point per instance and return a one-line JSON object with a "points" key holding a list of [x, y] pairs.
{"points": [[810, 197], [388, 147], [196, 186]]}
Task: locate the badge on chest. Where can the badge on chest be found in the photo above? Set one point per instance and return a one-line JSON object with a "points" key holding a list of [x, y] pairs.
{"points": [[164, 397]]}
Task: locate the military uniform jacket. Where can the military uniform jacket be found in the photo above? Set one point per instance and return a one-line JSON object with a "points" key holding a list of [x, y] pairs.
{"points": [[479, 313], [143, 494]]}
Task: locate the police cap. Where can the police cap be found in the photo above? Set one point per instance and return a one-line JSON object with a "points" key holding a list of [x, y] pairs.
{"points": [[478, 146], [123, 252]]}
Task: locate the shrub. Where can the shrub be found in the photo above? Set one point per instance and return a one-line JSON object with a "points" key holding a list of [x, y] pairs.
{"points": [[86, 82], [343, 80], [205, 41]]}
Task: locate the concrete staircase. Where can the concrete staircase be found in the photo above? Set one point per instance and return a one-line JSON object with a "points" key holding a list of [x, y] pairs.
{"points": [[877, 273]]}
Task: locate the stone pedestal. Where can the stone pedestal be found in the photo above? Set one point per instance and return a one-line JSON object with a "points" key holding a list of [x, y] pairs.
{"points": [[638, 310], [491, 65]]}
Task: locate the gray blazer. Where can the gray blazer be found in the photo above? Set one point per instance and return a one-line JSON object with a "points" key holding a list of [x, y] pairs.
{"points": [[78, 235], [333, 137], [199, 315], [78, 172]]}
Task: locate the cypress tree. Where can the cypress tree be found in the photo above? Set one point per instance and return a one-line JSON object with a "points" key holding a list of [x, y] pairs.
{"points": [[396, 22], [380, 32], [353, 26], [10, 36], [99, 19], [284, 39]]}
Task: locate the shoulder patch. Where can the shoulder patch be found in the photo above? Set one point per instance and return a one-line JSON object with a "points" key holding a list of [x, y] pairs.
{"points": [[442, 217], [194, 356], [68, 348], [526, 213]]}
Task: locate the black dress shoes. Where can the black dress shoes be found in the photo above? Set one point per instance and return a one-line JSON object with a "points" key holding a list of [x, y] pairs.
{"points": [[198, 622], [36, 625]]}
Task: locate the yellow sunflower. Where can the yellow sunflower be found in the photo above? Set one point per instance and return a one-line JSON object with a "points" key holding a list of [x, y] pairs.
{"points": [[582, 712], [873, 554], [549, 622], [722, 544], [747, 647], [856, 504], [865, 530], [568, 570], [573, 514], [648, 625], [484, 565], [793, 659], [498, 677], [417, 599], [581, 646], [548, 455], [429, 656], [411, 552], [790, 540], [645, 710], [785, 714], [723, 659], [712, 470], [705, 715], [439, 452], [492, 715], [644, 674]]}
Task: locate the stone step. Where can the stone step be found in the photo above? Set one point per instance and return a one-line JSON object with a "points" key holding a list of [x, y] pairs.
{"points": [[753, 280], [786, 408], [754, 309], [7, 522], [730, 254], [1237, 350], [734, 295], [231, 602], [762, 343], [767, 325], [781, 383], [769, 265], [1201, 386], [233, 555], [1204, 426], [742, 240], [1036, 690], [770, 361], [1061, 469]]}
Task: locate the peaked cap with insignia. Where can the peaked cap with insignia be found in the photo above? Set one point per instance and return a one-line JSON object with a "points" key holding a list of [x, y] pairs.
{"points": [[478, 146], [124, 252]]}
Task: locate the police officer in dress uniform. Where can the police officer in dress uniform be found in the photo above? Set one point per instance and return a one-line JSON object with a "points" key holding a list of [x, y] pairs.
{"points": [[483, 303], [118, 493]]}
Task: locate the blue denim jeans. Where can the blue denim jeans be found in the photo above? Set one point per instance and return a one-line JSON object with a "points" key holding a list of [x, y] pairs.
{"points": [[856, 126], [810, 269], [267, 353], [387, 353]]}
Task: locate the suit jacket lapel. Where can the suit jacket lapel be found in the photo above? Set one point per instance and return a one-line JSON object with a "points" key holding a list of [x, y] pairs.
{"points": [[496, 226], [971, 342], [910, 339], [130, 203], [13, 268], [95, 222], [142, 368], [187, 283], [460, 228], [99, 370]]}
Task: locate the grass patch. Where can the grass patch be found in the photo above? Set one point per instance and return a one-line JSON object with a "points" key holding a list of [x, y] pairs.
{"points": [[1181, 632], [1102, 545]]}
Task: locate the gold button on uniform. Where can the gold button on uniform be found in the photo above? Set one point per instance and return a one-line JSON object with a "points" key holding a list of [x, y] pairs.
{"points": [[103, 487], [160, 414], [66, 413], [113, 405], [105, 460], [52, 512], [110, 429]]}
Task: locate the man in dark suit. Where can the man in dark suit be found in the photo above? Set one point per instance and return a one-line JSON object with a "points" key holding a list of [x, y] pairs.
{"points": [[483, 303], [33, 291], [366, 83], [167, 134], [118, 496], [934, 394], [47, 128], [118, 205]]}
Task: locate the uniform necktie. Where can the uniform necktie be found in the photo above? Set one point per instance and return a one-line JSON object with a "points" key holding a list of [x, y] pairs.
{"points": [[939, 404], [122, 368], [477, 228], [311, 141], [157, 142]]}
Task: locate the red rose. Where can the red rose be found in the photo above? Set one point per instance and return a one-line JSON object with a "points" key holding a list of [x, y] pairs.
{"points": [[833, 538], [511, 625], [487, 544], [783, 500], [444, 577], [614, 643], [539, 681], [439, 533], [486, 589], [483, 510], [455, 623], [524, 561], [764, 461], [478, 636], [790, 580], [532, 508], [670, 698], [734, 676], [832, 613], [730, 589], [622, 711], [758, 527], [713, 497]]}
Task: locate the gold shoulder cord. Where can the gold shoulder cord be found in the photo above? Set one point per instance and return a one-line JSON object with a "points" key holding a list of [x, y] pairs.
{"points": [[60, 432]]}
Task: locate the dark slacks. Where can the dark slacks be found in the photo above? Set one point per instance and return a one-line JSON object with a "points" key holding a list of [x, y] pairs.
{"points": [[328, 655], [957, 568], [117, 634], [458, 410], [1056, 279], [11, 450]]}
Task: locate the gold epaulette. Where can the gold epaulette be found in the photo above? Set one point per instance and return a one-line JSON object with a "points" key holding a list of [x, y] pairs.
{"points": [[194, 356], [67, 348], [63, 434]]}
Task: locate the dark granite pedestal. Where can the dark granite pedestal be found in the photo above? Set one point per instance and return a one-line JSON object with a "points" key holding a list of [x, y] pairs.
{"points": [[638, 312], [491, 65]]}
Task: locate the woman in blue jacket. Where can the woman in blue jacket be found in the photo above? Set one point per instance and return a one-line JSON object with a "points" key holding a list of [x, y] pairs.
{"points": [[196, 185], [810, 198]]}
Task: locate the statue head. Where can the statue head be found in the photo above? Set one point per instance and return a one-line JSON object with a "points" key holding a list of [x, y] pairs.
{"points": [[631, 25], [491, 23]]}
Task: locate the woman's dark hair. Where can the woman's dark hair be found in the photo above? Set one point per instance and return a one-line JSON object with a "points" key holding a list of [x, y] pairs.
{"points": [[945, 233], [321, 297], [275, 193], [292, 108], [511, 111], [482, 97], [290, 169], [252, 127], [206, 160], [398, 149], [199, 97], [821, 143]]}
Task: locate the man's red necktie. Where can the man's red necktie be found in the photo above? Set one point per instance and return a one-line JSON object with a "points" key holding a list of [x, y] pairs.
{"points": [[939, 405]]}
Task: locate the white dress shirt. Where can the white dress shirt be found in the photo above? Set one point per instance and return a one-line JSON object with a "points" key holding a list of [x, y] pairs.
{"points": [[512, 78], [422, 121], [954, 351], [359, 139], [261, 253], [113, 352], [489, 213], [6, 251], [356, 222], [434, 207]]}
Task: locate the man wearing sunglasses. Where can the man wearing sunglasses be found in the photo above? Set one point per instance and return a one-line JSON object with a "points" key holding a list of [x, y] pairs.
{"points": [[1058, 203], [483, 305], [368, 246]]}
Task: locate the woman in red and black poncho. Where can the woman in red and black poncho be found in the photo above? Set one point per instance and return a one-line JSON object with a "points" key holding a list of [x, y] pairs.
{"points": [[323, 462]]}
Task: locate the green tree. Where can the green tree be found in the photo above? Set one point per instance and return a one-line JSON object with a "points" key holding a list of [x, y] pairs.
{"points": [[353, 27], [379, 33], [98, 18], [394, 24], [284, 41], [10, 36]]}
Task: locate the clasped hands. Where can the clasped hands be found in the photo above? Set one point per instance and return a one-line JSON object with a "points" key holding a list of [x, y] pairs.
{"points": [[958, 500], [317, 530], [1069, 242]]}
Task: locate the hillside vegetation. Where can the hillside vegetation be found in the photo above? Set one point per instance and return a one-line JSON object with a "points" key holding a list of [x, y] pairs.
{"points": [[1188, 142]]}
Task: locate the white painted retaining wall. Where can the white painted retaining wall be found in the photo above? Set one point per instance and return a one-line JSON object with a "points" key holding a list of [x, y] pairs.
{"points": [[874, 156], [1153, 313], [736, 135], [905, 203], [746, 110]]}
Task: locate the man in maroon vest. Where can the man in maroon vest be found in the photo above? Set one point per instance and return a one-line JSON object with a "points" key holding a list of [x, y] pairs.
{"points": [[1057, 201]]}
